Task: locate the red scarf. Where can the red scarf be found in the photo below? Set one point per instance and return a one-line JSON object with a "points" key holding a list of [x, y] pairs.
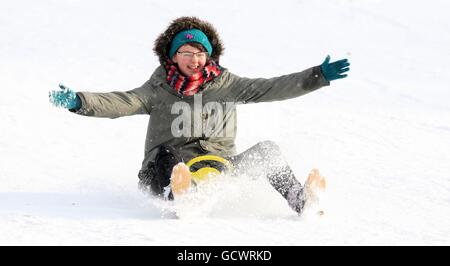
{"points": [[189, 86]]}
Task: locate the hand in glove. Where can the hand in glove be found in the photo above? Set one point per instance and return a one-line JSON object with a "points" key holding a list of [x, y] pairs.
{"points": [[65, 98], [335, 70]]}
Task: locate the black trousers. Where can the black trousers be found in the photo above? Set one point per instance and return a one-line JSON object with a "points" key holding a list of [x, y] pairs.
{"points": [[264, 158]]}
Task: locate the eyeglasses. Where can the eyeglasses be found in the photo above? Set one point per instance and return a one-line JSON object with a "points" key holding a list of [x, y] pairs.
{"points": [[190, 55]]}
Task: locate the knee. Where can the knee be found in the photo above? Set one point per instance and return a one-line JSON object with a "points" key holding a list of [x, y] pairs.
{"points": [[268, 149], [166, 152], [269, 145]]}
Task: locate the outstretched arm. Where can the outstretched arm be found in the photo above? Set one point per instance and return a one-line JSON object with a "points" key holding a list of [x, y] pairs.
{"points": [[335, 70], [111, 105], [248, 90], [65, 98]]}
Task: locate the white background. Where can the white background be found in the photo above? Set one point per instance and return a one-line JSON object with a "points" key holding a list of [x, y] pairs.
{"points": [[381, 136]]}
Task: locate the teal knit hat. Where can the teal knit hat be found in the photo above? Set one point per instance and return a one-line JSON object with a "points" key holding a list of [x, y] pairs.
{"points": [[187, 36]]}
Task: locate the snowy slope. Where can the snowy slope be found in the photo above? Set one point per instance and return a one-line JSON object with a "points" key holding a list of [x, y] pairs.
{"points": [[381, 136]]}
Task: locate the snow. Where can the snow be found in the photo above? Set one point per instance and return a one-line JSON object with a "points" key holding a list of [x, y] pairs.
{"points": [[381, 136]]}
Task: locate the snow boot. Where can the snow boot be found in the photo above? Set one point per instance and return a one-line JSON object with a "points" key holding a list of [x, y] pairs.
{"points": [[301, 198], [314, 186], [180, 179]]}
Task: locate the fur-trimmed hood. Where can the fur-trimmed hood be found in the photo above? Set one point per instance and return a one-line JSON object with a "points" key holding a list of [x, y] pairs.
{"points": [[162, 43]]}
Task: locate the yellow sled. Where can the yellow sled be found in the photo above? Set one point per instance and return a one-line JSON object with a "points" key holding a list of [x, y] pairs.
{"points": [[208, 171], [197, 169]]}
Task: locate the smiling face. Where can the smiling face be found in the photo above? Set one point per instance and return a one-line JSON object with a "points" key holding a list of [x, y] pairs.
{"points": [[190, 59]]}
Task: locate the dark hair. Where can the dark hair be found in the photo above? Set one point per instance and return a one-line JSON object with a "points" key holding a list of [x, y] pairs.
{"points": [[195, 45]]}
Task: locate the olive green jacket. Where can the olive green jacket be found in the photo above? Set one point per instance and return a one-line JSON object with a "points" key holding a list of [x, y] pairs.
{"points": [[204, 123]]}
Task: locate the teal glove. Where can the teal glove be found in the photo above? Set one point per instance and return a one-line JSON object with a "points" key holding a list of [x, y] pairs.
{"points": [[335, 70], [65, 98]]}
